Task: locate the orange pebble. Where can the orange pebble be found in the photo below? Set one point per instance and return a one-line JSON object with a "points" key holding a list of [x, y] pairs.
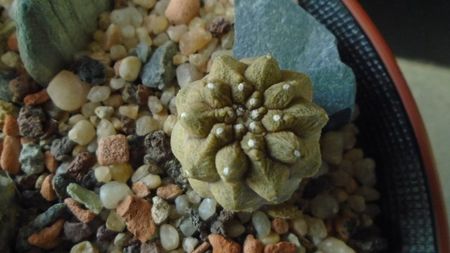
{"points": [[9, 160], [37, 98], [82, 215], [12, 42], [10, 126], [50, 162], [47, 190], [47, 238]]}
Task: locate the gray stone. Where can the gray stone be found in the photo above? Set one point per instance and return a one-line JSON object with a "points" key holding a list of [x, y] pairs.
{"points": [[160, 70], [50, 32], [143, 51], [299, 43], [31, 159]]}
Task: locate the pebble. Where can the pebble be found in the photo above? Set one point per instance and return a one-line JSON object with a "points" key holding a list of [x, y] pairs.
{"points": [[112, 193], [47, 238], [186, 74], [121, 239], [159, 70], [187, 227], [169, 191], [141, 172], [193, 197], [82, 132], [333, 245], [160, 210], [9, 159], [31, 159], [121, 172], [137, 214], [202, 248], [84, 247], [98, 94], [88, 109], [316, 228], [47, 191], [86, 197], [332, 145], [77, 231], [280, 226], [364, 171], [189, 244], [156, 24], [169, 237], [324, 206], [130, 111], [147, 4], [221, 244], [81, 214], [67, 91], [117, 52], [105, 128], [261, 223], [140, 189], [151, 181], [114, 222], [175, 32], [207, 208], [234, 229], [357, 203], [182, 204], [31, 121], [271, 238], [281, 247], [299, 226], [252, 245], [91, 71], [182, 11], [129, 68], [10, 126], [80, 165], [194, 40], [117, 83], [113, 149], [146, 124]]}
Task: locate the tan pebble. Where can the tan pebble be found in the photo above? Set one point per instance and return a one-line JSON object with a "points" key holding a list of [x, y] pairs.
{"points": [[169, 191], [37, 98], [113, 149], [9, 160], [281, 247], [253, 245], [194, 40], [10, 126], [47, 191], [116, 67], [137, 214], [13, 43], [182, 11], [50, 162], [280, 226], [81, 214], [47, 238], [221, 244], [26, 140], [140, 189], [113, 36], [202, 248]]}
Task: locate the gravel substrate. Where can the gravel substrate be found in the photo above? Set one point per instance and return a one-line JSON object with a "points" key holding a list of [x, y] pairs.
{"points": [[91, 160]]}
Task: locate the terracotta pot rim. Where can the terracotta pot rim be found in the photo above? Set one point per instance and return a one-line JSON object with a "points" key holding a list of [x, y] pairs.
{"points": [[388, 59]]}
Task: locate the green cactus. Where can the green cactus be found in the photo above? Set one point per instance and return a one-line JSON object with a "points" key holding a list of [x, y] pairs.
{"points": [[248, 132]]}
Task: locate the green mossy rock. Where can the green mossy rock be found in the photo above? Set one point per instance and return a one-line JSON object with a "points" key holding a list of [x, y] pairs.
{"points": [[51, 32], [248, 132]]}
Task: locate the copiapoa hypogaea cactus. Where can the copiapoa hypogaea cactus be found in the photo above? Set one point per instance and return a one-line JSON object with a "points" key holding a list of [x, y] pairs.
{"points": [[248, 132]]}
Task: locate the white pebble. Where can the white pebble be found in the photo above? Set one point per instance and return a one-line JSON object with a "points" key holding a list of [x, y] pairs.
{"points": [[99, 93], [261, 223], [189, 244], [105, 128], [129, 68], [160, 210], [154, 104], [186, 74], [117, 83], [175, 32], [193, 197], [333, 245], [169, 237], [140, 173], [146, 125], [151, 181], [207, 208], [130, 111], [112, 193], [82, 132], [102, 174], [187, 228], [67, 91], [104, 112]]}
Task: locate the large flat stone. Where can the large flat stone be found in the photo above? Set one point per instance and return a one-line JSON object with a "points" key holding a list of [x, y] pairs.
{"points": [[50, 32], [299, 43]]}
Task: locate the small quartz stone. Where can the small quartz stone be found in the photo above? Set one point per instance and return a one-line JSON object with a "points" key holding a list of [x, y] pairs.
{"points": [[121, 171], [105, 128], [141, 172], [160, 210], [316, 228], [82, 132], [175, 32], [169, 237], [114, 222], [299, 226], [187, 73], [98, 93], [84, 247], [112, 193], [207, 208], [86, 197], [182, 204], [102, 174], [194, 40], [187, 227], [117, 83], [333, 245], [261, 223], [67, 91], [130, 68], [146, 125], [271, 238], [189, 244], [130, 111], [117, 52], [151, 181]]}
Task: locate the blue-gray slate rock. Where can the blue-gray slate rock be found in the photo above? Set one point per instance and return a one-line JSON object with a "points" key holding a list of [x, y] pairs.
{"points": [[159, 70], [50, 32], [299, 43]]}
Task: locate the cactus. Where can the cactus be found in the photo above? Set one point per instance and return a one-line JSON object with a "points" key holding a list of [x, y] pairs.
{"points": [[248, 132]]}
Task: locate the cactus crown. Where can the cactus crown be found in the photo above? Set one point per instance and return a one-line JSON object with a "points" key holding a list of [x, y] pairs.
{"points": [[248, 132]]}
